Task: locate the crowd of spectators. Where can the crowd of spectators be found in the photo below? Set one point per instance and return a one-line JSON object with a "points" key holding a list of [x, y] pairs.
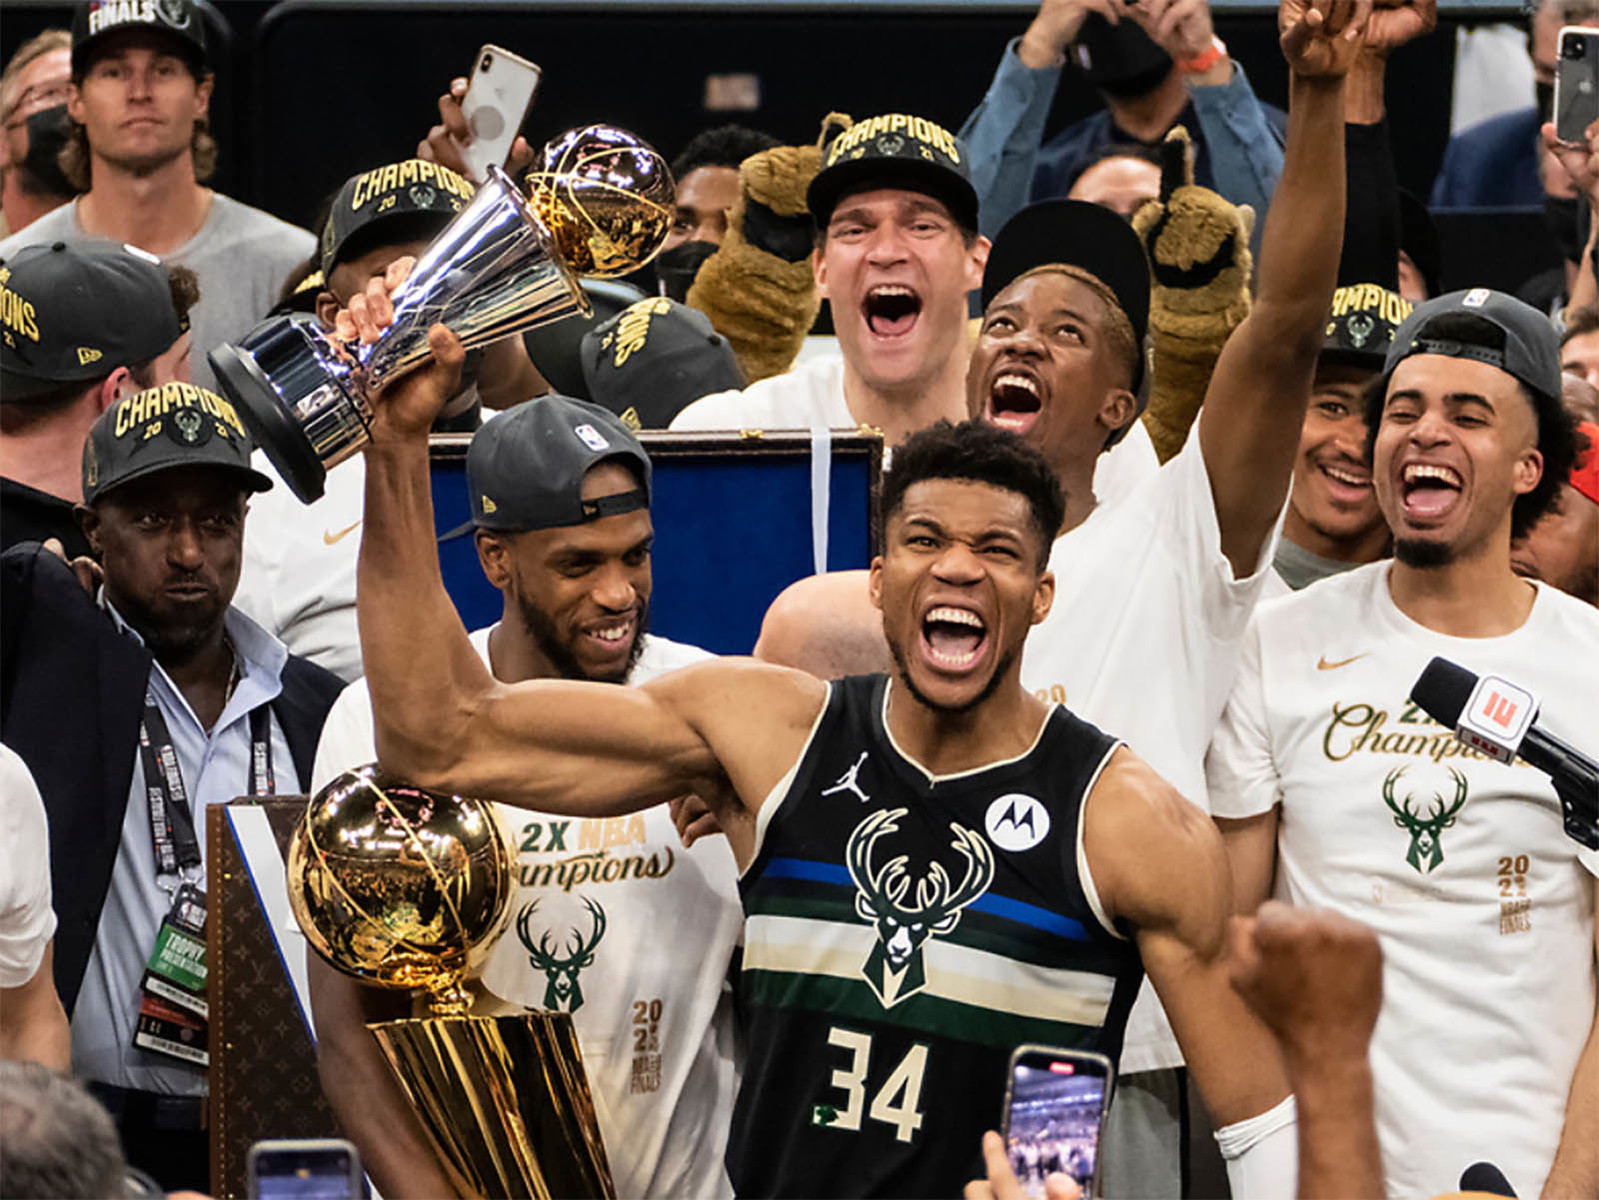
{"points": [[1199, 341]]}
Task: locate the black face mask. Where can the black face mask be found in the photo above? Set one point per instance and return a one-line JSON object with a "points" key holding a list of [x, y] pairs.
{"points": [[1560, 216], [676, 268], [48, 131], [1546, 101]]}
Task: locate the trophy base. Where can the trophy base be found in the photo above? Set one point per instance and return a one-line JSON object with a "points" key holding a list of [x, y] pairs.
{"points": [[504, 1101], [274, 429]]}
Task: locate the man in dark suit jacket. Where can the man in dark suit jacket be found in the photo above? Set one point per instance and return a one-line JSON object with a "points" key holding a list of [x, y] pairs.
{"points": [[1493, 164], [135, 709]]}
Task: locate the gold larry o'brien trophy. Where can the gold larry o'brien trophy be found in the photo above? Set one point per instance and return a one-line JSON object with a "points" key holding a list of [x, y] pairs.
{"points": [[600, 204], [405, 888]]}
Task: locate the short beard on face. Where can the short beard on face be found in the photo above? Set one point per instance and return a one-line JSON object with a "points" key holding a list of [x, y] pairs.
{"points": [[548, 639], [170, 641], [1000, 670], [1423, 555]]}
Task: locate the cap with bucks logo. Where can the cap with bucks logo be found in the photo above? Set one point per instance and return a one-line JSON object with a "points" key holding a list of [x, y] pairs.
{"points": [[1361, 324], [401, 202], [73, 313], [160, 428], [895, 150]]}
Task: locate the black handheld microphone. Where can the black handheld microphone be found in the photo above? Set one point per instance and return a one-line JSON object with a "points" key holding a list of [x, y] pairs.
{"points": [[1483, 1176], [1497, 717]]}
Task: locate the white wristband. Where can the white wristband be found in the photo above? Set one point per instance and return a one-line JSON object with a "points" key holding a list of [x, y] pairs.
{"points": [[1262, 1153]]}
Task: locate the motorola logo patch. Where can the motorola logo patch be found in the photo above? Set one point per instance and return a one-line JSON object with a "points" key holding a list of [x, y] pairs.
{"points": [[1016, 822]]}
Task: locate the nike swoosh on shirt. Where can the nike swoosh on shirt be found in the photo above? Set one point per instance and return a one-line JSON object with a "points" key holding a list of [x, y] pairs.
{"points": [[333, 539], [1323, 665]]}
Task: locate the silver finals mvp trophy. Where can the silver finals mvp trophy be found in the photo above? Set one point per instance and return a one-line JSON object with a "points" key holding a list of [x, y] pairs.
{"points": [[599, 203]]}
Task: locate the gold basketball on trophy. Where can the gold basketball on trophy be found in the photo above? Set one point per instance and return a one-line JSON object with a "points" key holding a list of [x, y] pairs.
{"points": [[400, 886], [406, 888], [606, 197]]}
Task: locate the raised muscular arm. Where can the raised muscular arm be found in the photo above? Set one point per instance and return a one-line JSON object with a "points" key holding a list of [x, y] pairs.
{"points": [[1158, 864], [441, 720], [1255, 404]]}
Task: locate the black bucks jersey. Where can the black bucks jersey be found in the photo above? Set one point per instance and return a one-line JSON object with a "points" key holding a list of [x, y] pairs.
{"points": [[903, 934]]}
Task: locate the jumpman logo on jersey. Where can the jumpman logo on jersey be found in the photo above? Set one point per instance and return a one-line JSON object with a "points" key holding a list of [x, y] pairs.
{"points": [[849, 781]]}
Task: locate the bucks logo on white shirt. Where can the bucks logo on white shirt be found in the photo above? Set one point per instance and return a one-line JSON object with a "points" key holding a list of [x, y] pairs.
{"points": [[562, 961], [1426, 828]]}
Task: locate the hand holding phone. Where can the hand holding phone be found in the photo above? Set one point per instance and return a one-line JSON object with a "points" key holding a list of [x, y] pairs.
{"points": [[496, 103], [1055, 1105], [1576, 83]]}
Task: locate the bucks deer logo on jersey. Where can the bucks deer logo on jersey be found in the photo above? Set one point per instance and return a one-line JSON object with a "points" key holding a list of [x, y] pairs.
{"points": [[561, 964], [1426, 830], [884, 899]]}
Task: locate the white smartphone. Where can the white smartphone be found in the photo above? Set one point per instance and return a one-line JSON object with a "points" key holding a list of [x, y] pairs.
{"points": [[1055, 1104], [497, 100], [1576, 83], [304, 1169]]}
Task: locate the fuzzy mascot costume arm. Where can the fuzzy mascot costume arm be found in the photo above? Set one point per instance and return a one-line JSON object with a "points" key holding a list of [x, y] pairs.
{"points": [[758, 289], [1198, 247]]}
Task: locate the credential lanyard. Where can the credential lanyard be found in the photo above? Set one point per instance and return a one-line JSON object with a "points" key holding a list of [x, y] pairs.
{"points": [[177, 848]]}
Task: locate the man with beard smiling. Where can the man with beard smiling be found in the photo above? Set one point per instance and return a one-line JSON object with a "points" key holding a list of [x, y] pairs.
{"points": [[1333, 790], [1049, 865], [135, 710], [560, 494], [897, 256], [1333, 522]]}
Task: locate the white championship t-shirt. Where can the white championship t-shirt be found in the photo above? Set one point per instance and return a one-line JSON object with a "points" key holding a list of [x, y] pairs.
{"points": [[812, 396], [27, 922], [1484, 907], [615, 922], [1143, 641]]}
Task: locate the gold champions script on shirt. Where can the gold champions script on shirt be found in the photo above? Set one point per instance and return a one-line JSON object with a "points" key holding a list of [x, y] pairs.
{"points": [[1358, 727], [588, 845]]}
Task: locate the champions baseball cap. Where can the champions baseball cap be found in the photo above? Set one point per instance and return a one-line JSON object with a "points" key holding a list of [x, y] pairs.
{"points": [[1361, 324], [653, 359], [179, 19], [895, 151], [525, 466], [1531, 352], [556, 348], [174, 425], [400, 202], [76, 312]]}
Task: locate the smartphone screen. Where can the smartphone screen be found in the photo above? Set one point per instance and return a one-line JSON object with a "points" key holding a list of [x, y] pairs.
{"points": [[327, 1170], [1576, 83], [1054, 1110]]}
